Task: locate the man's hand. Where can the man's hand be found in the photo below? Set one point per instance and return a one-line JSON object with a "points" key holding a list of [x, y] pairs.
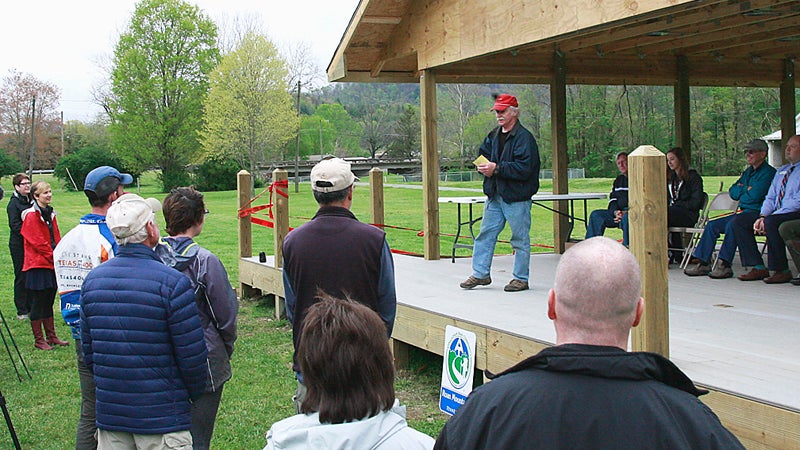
{"points": [[618, 214], [758, 226], [487, 169]]}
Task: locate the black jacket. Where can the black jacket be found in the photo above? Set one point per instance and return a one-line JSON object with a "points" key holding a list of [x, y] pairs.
{"points": [[582, 396], [516, 177], [16, 204]]}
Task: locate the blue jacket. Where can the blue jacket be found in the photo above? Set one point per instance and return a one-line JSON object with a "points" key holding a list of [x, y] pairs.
{"points": [[516, 177], [141, 336], [751, 188]]}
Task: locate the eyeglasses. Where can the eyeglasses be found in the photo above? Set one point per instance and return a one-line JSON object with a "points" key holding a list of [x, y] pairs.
{"points": [[25, 183], [750, 152]]}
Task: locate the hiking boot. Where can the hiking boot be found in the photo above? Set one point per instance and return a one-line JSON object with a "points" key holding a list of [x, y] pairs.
{"points": [[516, 285], [720, 272], [796, 280], [754, 274], [778, 278], [471, 282], [698, 270]]}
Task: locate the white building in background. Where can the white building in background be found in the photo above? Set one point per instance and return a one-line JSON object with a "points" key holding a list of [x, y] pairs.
{"points": [[776, 154]]}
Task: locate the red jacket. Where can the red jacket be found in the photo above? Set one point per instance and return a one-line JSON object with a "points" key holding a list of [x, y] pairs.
{"points": [[36, 236]]}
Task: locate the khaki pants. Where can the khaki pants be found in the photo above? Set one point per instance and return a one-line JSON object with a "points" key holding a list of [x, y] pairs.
{"points": [[120, 440]]}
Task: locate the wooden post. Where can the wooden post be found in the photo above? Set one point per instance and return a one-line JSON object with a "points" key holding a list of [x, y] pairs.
{"points": [[558, 120], [683, 134], [788, 111], [430, 164], [400, 353], [281, 213], [244, 183], [376, 195], [647, 219]]}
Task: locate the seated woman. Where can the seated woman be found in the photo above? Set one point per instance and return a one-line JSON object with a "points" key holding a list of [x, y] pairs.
{"points": [[684, 195], [347, 366]]}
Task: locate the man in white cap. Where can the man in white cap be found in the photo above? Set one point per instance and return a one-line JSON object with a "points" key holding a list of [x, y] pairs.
{"points": [[337, 255], [511, 176], [141, 337], [85, 247]]}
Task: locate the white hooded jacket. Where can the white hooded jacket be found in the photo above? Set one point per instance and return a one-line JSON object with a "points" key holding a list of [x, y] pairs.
{"points": [[386, 431]]}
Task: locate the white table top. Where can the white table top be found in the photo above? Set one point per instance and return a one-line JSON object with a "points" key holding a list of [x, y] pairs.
{"points": [[536, 197]]}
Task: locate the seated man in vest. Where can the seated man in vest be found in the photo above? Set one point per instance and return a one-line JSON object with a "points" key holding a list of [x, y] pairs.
{"points": [[611, 217]]}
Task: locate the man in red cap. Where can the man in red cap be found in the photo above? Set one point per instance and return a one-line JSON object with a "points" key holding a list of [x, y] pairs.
{"points": [[511, 177]]}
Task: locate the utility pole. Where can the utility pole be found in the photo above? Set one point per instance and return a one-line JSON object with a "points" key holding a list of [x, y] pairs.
{"points": [[33, 137], [62, 134], [297, 146]]}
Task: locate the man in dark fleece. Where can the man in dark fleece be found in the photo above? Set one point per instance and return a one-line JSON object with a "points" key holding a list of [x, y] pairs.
{"points": [[587, 391]]}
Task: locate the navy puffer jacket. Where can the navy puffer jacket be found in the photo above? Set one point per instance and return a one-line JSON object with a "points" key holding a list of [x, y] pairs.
{"points": [[141, 336]]}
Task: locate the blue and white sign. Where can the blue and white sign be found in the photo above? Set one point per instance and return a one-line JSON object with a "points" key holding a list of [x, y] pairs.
{"points": [[458, 368]]}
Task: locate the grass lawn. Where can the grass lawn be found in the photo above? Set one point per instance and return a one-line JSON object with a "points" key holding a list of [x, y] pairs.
{"points": [[45, 409]]}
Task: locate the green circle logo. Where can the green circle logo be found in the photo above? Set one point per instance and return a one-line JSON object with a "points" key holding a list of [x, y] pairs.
{"points": [[459, 361]]}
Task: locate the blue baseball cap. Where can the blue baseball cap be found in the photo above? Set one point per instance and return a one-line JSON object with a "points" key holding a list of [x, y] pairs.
{"points": [[94, 180]]}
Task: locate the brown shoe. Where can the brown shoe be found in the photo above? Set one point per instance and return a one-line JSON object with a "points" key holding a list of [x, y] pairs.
{"points": [[471, 282], [516, 285], [778, 278], [754, 274]]}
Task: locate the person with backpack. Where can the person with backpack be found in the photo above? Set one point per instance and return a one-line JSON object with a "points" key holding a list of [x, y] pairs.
{"points": [[184, 213]]}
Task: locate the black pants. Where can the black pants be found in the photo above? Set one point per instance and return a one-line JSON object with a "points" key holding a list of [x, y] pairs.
{"points": [[22, 299]]}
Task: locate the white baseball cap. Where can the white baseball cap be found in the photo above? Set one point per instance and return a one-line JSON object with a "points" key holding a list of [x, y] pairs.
{"points": [[331, 175], [129, 214]]}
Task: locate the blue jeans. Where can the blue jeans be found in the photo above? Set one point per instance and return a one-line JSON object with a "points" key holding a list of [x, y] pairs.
{"points": [[496, 213], [776, 247], [727, 225], [600, 219]]}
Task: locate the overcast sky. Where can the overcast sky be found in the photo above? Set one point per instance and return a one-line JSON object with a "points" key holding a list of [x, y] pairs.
{"points": [[61, 42]]}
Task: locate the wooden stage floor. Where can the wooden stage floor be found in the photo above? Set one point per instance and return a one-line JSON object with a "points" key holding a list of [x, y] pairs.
{"points": [[734, 336]]}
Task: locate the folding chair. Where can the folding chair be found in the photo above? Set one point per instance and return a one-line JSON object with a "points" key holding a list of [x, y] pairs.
{"points": [[694, 233]]}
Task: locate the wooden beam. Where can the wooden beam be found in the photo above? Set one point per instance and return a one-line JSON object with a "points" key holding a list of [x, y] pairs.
{"points": [[683, 137], [430, 164], [787, 99], [281, 213], [376, 195], [647, 219], [558, 120], [381, 20]]}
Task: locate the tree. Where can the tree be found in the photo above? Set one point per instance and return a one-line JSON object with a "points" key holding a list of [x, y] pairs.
{"points": [[347, 131], [460, 102], [8, 164], [406, 136], [16, 113], [159, 83], [249, 113]]}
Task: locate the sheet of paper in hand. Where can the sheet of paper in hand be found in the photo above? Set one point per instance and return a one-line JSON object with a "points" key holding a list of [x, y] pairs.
{"points": [[480, 160]]}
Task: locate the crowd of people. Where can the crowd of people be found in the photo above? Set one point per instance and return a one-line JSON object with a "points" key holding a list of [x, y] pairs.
{"points": [[136, 301]]}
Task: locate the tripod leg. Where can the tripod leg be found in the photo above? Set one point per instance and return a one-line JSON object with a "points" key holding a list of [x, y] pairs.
{"points": [[9, 423], [10, 357], [14, 343]]}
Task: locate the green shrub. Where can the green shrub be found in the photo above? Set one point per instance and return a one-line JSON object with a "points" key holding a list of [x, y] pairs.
{"points": [[80, 163], [216, 174], [9, 165]]}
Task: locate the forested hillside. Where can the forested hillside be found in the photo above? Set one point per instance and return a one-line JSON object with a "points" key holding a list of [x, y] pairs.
{"points": [[382, 120]]}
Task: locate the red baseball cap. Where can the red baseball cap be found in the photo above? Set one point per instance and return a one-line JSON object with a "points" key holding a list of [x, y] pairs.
{"points": [[503, 101]]}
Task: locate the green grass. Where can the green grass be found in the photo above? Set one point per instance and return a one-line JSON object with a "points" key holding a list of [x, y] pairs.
{"points": [[45, 409]]}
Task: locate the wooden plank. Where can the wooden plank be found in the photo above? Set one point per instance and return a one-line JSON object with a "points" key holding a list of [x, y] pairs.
{"points": [[281, 213], [376, 195], [683, 131], [261, 276], [757, 425], [648, 231], [788, 108], [430, 165], [558, 120]]}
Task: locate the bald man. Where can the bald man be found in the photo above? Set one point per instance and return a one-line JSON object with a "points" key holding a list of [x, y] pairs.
{"points": [[587, 390]]}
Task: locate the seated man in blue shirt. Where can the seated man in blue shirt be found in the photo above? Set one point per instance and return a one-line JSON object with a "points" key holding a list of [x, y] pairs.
{"points": [[750, 190]]}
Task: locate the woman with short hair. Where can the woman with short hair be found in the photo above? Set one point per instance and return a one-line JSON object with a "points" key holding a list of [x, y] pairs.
{"points": [[348, 368], [40, 234], [20, 201]]}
